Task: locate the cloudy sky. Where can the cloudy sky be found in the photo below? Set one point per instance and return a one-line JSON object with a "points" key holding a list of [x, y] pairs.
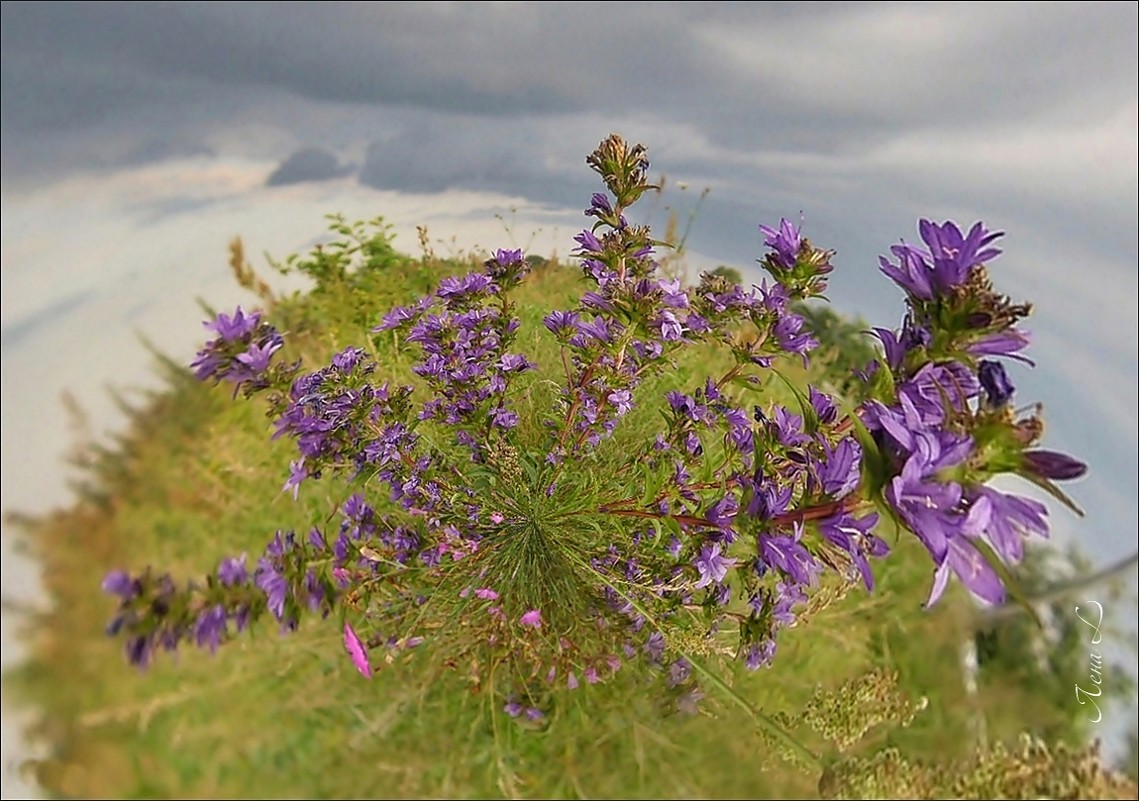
{"points": [[138, 139]]}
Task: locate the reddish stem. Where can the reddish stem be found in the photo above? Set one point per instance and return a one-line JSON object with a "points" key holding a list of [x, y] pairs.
{"points": [[818, 512]]}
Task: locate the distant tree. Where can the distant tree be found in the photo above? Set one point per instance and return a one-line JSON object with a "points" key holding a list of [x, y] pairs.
{"points": [[731, 273], [844, 342]]}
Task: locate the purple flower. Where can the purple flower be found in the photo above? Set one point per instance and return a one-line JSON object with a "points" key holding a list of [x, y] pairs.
{"points": [[789, 595], [598, 328], [692, 443], [1010, 518], [971, 568], [589, 243], [892, 345], [314, 591], [231, 329], [206, 364], [788, 554], [347, 359], [256, 357], [502, 418], [599, 206], [396, 317], [507, 258], [297, 473], [532, 618], [1053, 465], [948, 262], [679, 671], [769, 498], [760, 655], [853, 536], [911, 273], [723, 512], [789, 333], [712, 566], [274, 585], [823, 405], [954, 255], [139, 649], [515, 363], [357, 651], [926, 506], [786, 242], [210, 627], [455, 289], [934, 384], [231, 571], [671, 329], [995, 381], [654, 646], [789, 428], [622, 401], [840, 470], [685, 405], [1002, 343], [673, 296], [120, 583]]}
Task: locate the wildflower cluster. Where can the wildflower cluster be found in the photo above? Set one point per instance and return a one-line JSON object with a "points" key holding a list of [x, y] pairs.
{"points": [[944, 424], [241, 353], [530, 546]]}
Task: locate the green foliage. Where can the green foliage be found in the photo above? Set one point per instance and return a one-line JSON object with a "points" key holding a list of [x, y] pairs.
{"points": [[729, 273], [846, 347], [348, 275]]}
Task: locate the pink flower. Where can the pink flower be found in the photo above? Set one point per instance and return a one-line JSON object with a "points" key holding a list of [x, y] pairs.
{"points": [[355, 648], [532, 618], [486, 593]]}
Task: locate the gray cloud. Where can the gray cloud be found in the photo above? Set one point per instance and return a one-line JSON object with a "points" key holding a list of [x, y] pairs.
{"points": [[830, 78], [308, 164], [858, 114]]}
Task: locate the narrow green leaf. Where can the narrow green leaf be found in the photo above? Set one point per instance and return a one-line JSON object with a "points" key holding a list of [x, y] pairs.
{"points": [[531, 470], [1048, 486], [810, 416], [875, 470], [658, 531]]}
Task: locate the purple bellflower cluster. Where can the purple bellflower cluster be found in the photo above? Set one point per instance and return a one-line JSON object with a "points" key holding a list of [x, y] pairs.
{"points": [[241, 353], [530, 546], [948, 426]]}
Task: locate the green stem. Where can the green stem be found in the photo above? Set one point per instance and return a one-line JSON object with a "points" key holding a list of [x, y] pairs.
{"points": [[806, 756]]}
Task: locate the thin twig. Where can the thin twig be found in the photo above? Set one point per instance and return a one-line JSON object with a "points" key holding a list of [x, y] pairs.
{"points": [[1061, 590]]}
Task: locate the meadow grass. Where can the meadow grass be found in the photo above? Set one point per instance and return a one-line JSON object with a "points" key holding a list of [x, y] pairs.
{"points": [[197, 477]]}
